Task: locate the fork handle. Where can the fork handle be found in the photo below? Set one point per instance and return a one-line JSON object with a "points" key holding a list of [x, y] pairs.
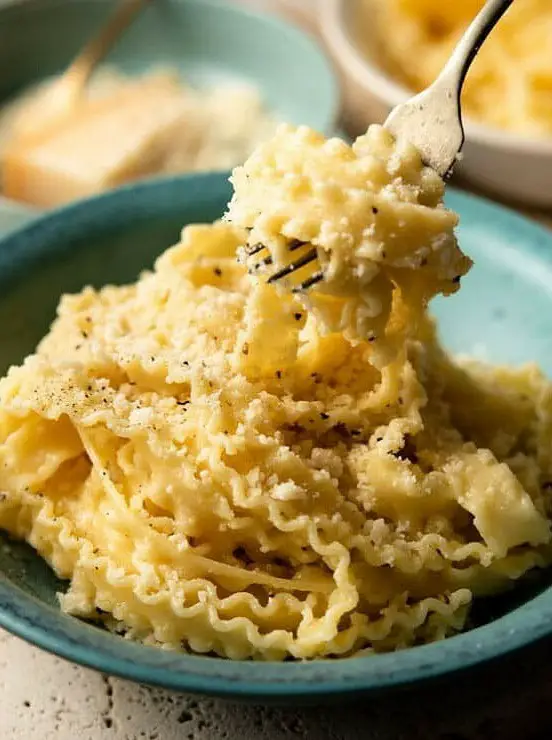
{"points": [[82, 67], [465, 52]]}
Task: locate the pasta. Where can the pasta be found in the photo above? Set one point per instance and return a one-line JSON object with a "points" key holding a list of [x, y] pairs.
{"points": [[382, 227], [510, 83], [216, 465]]}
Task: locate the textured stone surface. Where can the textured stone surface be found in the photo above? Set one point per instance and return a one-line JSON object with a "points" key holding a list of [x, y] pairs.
{"points": [[45, 698]]}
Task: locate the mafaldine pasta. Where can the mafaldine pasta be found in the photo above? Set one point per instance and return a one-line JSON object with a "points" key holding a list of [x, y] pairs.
{"points": [[219, 465]]}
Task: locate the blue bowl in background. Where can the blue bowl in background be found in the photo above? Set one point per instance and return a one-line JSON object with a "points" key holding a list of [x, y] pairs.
{"points": [[206, 40]]}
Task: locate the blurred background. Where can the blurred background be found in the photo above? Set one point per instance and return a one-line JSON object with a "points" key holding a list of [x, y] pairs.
{"points": [[187, 85], [95, 93]]}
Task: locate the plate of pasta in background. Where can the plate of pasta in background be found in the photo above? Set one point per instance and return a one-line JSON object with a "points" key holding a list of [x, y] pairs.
{"points": [[187, 87], [388, 50]]}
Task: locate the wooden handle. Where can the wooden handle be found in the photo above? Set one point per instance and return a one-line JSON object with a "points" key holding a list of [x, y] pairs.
{"points": [[78, 73]]}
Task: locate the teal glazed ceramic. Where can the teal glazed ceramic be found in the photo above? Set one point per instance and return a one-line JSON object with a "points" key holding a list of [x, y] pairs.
{"points": [[207, 40], [502, 313], [13, 215]]}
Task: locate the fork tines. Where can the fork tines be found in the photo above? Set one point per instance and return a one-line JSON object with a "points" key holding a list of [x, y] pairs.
{"points": [[306, 284], [254, 249], [306, 259]]}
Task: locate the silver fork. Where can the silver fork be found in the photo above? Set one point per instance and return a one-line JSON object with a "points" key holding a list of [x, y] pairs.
{"points": [[306, 259], [431, 120]]}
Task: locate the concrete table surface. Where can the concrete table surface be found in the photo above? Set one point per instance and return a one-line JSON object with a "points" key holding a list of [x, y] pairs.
{"points": [[45, 698]]}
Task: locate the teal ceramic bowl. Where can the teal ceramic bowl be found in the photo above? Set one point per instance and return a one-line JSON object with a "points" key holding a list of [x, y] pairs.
{"points": [[503, 311]]}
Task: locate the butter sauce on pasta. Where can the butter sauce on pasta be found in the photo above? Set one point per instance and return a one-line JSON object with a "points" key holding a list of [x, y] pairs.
{"points": [[219, 466]]}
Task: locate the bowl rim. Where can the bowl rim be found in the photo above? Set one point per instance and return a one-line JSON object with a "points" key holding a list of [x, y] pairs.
{"points": [[369, 75], [278, 23], [28, 617]]}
